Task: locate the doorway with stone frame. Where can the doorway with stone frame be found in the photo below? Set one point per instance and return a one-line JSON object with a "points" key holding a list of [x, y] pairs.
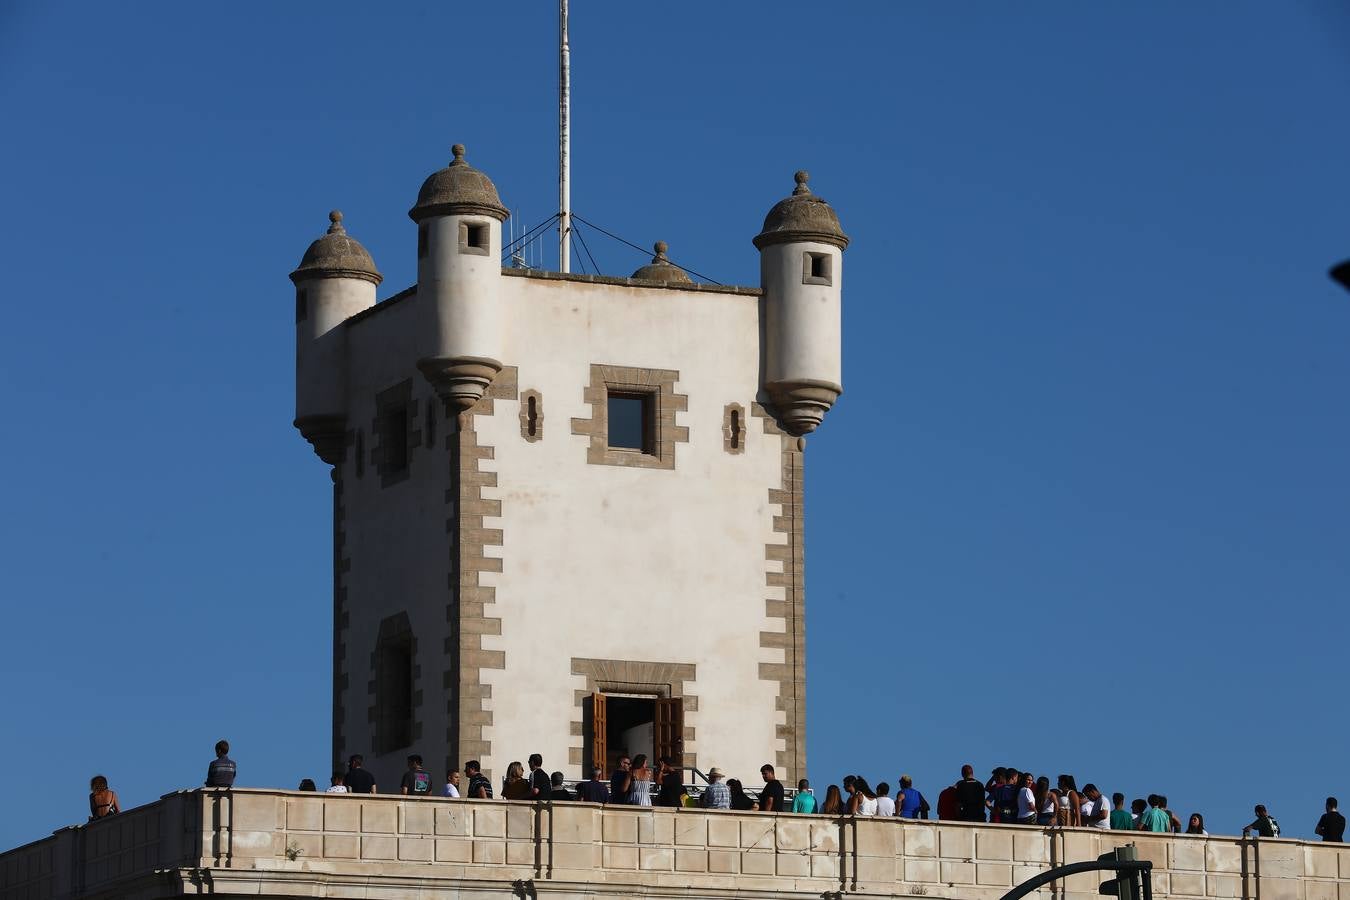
{"points": [[634, 707], [628, 723]]}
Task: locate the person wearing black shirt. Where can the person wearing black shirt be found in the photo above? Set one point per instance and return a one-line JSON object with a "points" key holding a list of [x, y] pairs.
{"points": [[1332, 824], [621, 780], [417, 780], [539, 783], [771, 798], [557, 791], [969, 797], [479, 786], [221, 771], [672, 787], [358, 779], [1265, 824]]}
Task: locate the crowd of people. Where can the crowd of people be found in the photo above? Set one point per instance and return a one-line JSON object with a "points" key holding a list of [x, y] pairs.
{"points": [[1009, 796]]}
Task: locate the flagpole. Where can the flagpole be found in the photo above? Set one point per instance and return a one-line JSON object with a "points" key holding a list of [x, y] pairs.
{"points": [[564, 143]]}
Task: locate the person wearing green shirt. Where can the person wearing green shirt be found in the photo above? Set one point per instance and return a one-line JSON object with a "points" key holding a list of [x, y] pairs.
{"points": [[1156, 819], [805, 801], [1121, 820]]}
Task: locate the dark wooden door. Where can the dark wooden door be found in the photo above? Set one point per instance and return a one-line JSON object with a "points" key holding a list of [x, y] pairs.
{"points": [[670, 730], [598, 731]]}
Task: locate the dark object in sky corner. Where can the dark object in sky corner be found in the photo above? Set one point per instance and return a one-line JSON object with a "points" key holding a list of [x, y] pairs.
{"points": [[1341, 272]]}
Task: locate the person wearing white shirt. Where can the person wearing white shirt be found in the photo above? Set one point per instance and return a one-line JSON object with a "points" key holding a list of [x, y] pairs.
{"points": [[336, 785], [1095, 812], [451, 788], [885, 805]]}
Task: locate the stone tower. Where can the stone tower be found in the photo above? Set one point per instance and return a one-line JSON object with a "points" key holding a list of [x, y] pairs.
{"points": [[567, 509]]}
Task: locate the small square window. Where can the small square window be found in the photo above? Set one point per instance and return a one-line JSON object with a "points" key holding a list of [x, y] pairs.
{"points": [[630, 418], [817, 268], [475, 238]]}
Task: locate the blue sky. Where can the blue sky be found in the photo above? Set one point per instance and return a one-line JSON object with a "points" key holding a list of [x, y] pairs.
{"points": [[1084, 506]]}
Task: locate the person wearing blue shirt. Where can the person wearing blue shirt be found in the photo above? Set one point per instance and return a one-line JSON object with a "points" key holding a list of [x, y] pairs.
{"points": [[911, 801]]}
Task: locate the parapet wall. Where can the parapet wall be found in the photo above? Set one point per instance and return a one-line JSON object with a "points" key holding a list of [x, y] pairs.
{"points": [[285, 844]]}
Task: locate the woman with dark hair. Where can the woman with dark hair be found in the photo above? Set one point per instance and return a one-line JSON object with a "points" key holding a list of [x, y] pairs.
{"points": [[514, 785], [307, 784], [102, 801], [864, 802], [834, 801], [640, 788], [1047, 801], [1070, 803], [1197, 824], [740, 800]]}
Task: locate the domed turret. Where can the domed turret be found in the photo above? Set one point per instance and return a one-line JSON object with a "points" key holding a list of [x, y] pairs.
{"points": [[459, 188], [801, 268], [459, 245], [801, 217], [337, 255], [335, 280], [662, 269]]}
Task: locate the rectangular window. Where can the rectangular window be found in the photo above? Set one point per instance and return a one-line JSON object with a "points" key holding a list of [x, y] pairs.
{"points": [[394, 440], [817, 268], [422, 241], [475, 238], [631, 417], [301, 305]]}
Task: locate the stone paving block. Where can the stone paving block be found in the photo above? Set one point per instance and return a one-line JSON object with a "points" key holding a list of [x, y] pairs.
{"points": [[416, 849], [993, 874], [620, 857], [920, 840], [724, 861], [379, 818], [723, 831], [520, 853], [341, 815], [658, 860], [823, 866], [379, 847], [958, 872], [691, 860], [1188, 884], [757, 833], [956, 843], [921, 870], [418, 817], [489, 852], [456, 820], [1031, 846], [757, 862], [1222, 886], [620, 828], [691, 831], [304, 815], [656, 828], [1223, 857], [520, 822], [993, 845], [793, 865], [876, 869], [793, 834], [341, 846], [489, 822], [1188, 855], [453, 851]]}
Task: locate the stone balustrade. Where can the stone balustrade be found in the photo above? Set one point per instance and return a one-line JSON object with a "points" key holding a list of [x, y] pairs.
{"points": [[289, 844]]}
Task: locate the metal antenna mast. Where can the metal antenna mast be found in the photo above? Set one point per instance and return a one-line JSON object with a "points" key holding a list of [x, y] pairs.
{"points": [[564, 143]]}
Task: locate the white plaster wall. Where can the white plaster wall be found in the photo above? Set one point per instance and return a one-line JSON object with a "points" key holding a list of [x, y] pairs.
{"points": [[628, 563], [321, 347], [465, 319], [804, 321], [397, 542]]}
